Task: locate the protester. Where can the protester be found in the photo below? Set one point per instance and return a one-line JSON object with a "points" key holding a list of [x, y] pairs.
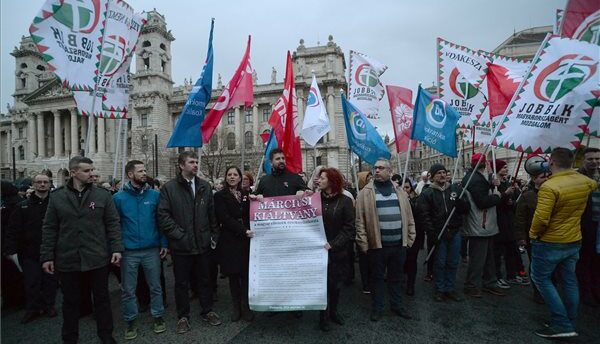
{"points": [[384, 229], [556, 241], [232, 207], [480, 227], [23, 241], [247, 182], [435, 204], [338, 220], [186, 216], [423, 183], [12, 284], [82, 247], [412, 254], [523, 217], [363, 261], [144, 246], [588, 266]]}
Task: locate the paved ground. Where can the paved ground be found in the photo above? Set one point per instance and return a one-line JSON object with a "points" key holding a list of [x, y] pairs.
{"points": [[492, 319]]}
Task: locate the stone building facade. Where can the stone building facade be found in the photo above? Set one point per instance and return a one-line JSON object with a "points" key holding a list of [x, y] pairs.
{"points": [[45, 131]]}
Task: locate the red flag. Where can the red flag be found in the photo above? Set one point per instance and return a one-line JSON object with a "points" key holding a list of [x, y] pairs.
{"points": [[503, 79], [265, 137], [238, 91], [284, 120], [579, 19], [401, 108]]}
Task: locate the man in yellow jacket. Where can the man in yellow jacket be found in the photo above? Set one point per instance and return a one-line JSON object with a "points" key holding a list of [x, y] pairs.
{"points": [[555, 235]]}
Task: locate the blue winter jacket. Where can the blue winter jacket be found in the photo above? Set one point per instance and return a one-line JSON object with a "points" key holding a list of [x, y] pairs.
{"points": [[137, 209]]}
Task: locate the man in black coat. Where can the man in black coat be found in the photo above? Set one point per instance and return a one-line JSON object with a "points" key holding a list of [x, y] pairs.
{"points": [[186, 215], [23, 241]]}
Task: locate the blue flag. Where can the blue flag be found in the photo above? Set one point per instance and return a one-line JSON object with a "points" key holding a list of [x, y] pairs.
{"points": [[187, 132], [363, 139], [271, 144], [434, 123]]}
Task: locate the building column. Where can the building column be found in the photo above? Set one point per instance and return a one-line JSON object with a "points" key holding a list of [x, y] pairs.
{"points": [[256, 139], [58, 144], [84, 127], [74, 133], [92, 139], [31, 136], [41, 136], [101, 136], [331, 113], [66, 123]]}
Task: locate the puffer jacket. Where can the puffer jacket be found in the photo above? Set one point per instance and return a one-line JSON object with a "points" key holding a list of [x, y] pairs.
{"points": [[561, 202], [368, 235], [435, 204]]}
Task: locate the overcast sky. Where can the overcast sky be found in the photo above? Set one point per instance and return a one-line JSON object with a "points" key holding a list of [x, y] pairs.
{"points": [[400, 34]]}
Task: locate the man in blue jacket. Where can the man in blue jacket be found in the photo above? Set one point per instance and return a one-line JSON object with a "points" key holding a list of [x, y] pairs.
{"points": [[144, 245]]}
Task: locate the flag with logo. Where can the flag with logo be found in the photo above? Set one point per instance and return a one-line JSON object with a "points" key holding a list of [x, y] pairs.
{"points": [[68, 35], [593, 127], [581, 21], [270, 144], [460, 75], [434, 123], [363, 138], [110, 97], [365, 89], [187, 131], [239, 91], [555, 104], [284, 121], [401, 108], [504, 75], [316, 120]]}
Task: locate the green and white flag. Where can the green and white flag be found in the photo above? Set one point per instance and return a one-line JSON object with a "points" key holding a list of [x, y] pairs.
{"points": [[553, 107], [365, 90], [68, 34]]}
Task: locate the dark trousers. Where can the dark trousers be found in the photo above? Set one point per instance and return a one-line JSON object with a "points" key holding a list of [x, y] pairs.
{"points": [[482, 269], [512, 261], [410, 265], [588, 266], [351, 258], [143, 293], [238, 287], [390, 259], [40, 287], [363, 266], [71, 288], [333, 298], [183, 266]]}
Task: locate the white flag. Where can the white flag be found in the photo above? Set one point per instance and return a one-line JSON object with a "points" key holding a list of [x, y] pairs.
{"points": [[364, 89], [316, 121]]}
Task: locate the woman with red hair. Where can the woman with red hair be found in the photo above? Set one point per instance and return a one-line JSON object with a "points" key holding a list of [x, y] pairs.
{"points": [[338, 220]]}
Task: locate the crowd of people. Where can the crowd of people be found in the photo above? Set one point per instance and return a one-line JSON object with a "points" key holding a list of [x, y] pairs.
{"points": [[71, 238]]}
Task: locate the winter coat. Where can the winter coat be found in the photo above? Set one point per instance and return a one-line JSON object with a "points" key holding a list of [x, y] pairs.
{"points": [[137, 209], [561, 202], [81, 229], [339, 222], [435, 204], [481, 220], [234, 245], [505, 212], [188, 221], [368, 234], [524, 213], [24, 233]]}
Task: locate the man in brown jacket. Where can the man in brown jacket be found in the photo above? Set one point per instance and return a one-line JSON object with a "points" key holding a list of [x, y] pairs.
{"points": [[385, 227]]}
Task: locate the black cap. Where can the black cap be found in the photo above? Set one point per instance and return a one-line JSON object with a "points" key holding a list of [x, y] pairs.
{"points": [[435, 168]]}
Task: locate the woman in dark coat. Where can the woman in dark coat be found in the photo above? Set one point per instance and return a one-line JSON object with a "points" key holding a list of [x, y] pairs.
{"points": [[410, 264], [338, 220], [232, 206]]}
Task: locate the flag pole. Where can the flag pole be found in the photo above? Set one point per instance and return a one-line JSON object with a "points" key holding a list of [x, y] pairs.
{"points": [[406, 163], [517, 168], [117, 151], [487, 146]]}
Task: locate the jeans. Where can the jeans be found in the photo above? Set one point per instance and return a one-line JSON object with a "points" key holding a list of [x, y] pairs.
{"points": [[198, 266], [546, 257], [40, 287], [149, 259], [390, 258], [482, 270], [71, 287], [446, 263]]}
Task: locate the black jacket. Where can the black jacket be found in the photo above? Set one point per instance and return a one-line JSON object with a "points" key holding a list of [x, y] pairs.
{"points": [[506, 213], [189, 222], [339, 222], [280, 184], [436, 203], [480, 191], [234, 245], [24, 236]]}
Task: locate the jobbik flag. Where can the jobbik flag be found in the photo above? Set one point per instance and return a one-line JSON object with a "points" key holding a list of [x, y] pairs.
{"points": [[555, 104], [460, 75], [401, 109], [363, 138], [581, 21], [239, 91], [434, 123], [68, 35], [316, 120], [187, 132], [365, 89], [110, 96]]}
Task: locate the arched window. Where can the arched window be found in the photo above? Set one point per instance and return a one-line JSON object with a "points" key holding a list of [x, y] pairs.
{"points": [[231, 141], [23, 65], [40, 68], [163, 47], [214, 143], [248, 141], [21, 153], [146, 44]]}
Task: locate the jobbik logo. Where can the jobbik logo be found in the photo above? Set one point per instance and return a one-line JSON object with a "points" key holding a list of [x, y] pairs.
{"points": [[114, 51], [82, 16], [358, 125], [562, 76], [365, 76], [589, 29], [436, 113], [460, 86]]}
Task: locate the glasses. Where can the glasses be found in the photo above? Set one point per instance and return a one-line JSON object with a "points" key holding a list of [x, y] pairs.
{"points": [[380, 167]]}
